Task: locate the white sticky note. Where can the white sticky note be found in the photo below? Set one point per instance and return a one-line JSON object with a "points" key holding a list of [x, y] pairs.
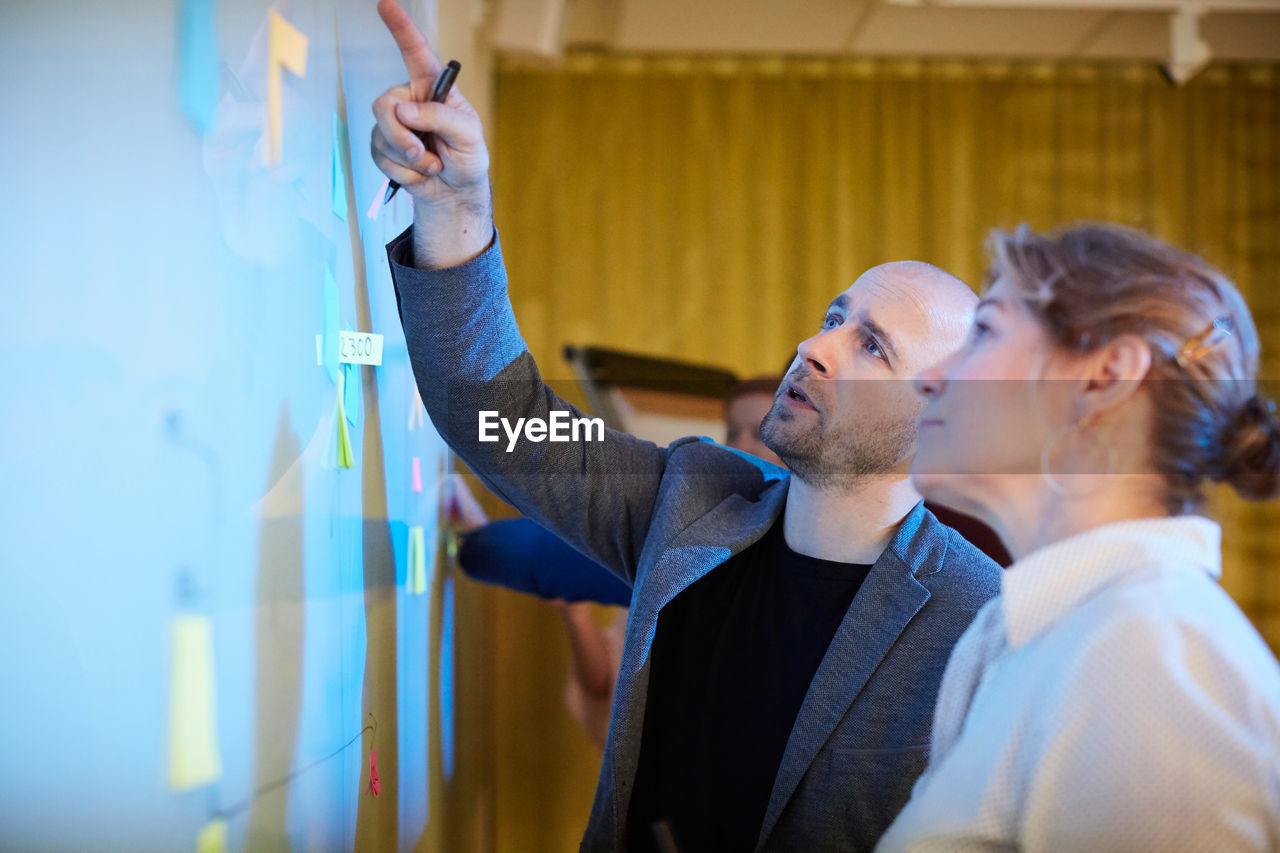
{"points": [[355, 348], [359, 348], [416, 410]]}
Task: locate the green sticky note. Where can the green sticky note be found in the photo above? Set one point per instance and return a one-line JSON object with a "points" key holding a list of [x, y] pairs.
{"points": [[345, 459], [416, 579], [338, 173], [410, 556]]}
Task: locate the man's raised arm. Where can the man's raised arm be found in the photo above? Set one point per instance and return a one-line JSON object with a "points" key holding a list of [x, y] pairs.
{"points": [[597, 489], [452, 202]]}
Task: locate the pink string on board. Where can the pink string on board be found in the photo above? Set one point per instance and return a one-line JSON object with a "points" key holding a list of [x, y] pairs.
{"points": [[377, 199], [375, 784]]}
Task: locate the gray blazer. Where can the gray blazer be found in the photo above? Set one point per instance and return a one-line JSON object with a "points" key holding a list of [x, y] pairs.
{"points": [[661, 518]]}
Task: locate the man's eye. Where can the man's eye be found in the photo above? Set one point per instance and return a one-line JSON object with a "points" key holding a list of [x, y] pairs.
{"points": [[830, 321], [874, 348]]}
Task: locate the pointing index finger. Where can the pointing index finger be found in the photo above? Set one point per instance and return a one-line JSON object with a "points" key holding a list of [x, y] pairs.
{"points": [[420, 60]]}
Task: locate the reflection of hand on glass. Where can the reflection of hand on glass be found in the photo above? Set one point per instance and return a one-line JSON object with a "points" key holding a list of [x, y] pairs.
{"points": [[465, 511], [262, 219]]}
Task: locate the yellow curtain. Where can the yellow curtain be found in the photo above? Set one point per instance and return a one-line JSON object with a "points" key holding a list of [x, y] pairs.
{"points": [[709, 208]]}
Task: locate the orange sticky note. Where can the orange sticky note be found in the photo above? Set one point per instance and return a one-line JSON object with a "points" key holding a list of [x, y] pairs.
{"points": [[375, 784], [286, 48], [417, 474]]}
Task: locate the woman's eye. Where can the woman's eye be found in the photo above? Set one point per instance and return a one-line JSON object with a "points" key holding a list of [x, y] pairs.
{"points": [[979, 330], [874, 348], [830, 321]]}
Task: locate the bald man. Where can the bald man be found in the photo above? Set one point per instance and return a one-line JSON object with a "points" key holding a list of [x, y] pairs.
{"points": [[787, 631]]}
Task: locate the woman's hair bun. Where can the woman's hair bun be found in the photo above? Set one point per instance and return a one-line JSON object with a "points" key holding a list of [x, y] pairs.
{"points": [[1251, 450]]}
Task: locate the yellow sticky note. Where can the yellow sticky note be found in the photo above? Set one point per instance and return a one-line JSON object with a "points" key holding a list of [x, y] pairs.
{"points": [[286, 48], [213, 837], [194, 757], [416, 577]]}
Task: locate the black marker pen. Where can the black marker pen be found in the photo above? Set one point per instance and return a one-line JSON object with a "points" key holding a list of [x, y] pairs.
{"points": [[439, 91]]}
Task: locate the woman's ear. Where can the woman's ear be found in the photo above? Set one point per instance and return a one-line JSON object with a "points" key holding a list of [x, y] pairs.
{"points": [[1114, 372]]}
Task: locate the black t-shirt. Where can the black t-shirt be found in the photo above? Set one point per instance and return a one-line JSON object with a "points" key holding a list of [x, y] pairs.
{"points": [[731, 662]]}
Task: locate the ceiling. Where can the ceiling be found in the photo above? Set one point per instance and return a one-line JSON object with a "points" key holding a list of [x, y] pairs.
{"points": [[1180, 34]]}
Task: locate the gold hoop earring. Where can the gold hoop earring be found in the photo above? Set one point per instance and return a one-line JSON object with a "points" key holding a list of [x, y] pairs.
{"points": [[1046, 456]]}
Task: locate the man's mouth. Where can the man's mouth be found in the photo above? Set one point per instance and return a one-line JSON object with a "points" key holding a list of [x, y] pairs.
{"points": [[797, 397]]}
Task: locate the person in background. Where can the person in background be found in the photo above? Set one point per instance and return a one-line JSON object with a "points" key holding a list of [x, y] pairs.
{"points": [[522, 555], [1112, 697], [745, 407]]}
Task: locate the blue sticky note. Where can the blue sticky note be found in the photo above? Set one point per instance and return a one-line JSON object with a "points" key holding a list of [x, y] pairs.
{"points": [[447, 628], [351, 392], [338, 173], [198, 64], [329, 332]]}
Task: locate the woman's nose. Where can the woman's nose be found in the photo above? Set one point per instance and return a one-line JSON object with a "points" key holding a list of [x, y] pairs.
{"points": [[929, 382]]}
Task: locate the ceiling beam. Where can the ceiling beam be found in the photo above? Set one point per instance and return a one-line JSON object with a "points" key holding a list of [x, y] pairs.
{"points": [[1201, 6]]}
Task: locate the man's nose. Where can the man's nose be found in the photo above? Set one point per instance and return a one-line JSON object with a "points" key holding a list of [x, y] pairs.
{"points": [[816, 355]]}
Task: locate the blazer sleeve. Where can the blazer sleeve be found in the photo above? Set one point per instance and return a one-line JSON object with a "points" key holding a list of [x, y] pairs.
{"points": [[468, 357]]}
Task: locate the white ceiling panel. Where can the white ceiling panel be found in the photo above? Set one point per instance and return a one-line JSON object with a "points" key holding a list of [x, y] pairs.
{"points": [[791, 26], [1243, 37], [1015, 29], [925, 30], [1129, 35]]}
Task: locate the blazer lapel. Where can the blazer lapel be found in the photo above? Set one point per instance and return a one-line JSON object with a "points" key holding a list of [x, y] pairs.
{"points": [[886, 602], [734, 525], [730, 528]]}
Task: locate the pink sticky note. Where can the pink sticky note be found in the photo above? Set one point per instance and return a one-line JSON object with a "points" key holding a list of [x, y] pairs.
{"points": [[377, 199], [375, 784], [417, 474]]}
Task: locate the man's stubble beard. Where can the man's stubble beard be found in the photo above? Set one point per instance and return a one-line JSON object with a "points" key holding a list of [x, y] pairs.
{"points": [[836, 459]]}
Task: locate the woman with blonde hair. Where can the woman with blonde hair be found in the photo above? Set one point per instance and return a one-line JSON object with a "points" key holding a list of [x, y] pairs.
{"points": [[1112, 697]]}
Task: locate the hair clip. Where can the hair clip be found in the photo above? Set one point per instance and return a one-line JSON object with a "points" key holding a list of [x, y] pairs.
{"points": [[1198, 345]]}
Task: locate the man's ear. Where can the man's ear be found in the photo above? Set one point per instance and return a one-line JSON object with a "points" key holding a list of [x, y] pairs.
{"points": [[1114, 372]]}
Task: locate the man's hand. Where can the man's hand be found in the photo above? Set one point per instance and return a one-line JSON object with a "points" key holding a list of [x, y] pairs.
{"points": [[449, 182]]}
